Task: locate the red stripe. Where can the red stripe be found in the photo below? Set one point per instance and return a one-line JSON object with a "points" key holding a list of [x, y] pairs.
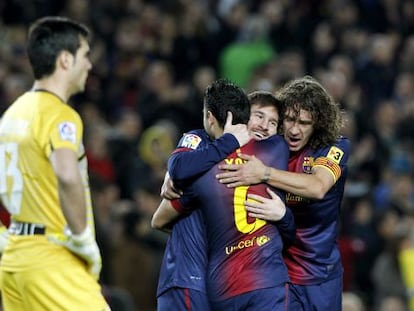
{"points": [[187, 299], [182, 149]]}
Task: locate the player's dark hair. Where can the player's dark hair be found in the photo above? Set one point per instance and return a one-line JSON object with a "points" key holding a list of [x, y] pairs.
{"points": [[267, 99], [222, 96], [308, 94], [47, 37]]}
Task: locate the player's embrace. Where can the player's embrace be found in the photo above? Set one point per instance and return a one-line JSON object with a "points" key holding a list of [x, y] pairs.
{"points": [[245, 269], [314, 184]]}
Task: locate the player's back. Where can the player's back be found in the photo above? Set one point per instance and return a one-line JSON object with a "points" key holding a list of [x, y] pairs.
{"points": [[29, 130], [244, 252], [185, 257]]}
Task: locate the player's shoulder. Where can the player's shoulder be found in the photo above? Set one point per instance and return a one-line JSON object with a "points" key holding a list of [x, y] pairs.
{"points": [[338, 151], [343, 143], [193, 139], [275, 140], [199, 132]]}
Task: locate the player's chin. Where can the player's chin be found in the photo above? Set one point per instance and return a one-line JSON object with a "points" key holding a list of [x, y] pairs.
{"points": [[258, 135], [295, 145]]}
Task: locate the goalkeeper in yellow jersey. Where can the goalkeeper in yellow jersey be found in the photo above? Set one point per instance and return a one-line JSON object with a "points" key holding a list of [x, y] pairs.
{"points": [[50, 259]]}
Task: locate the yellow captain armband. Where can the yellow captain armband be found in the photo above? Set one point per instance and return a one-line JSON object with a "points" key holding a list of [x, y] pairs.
{"points": [[4, 238]]}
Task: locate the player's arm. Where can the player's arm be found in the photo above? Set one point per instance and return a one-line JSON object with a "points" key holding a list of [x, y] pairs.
{"points": [[186, 163], [273, 209], [168, 189], [70, 188], [80, 238], [164, 216], [314, 185]]}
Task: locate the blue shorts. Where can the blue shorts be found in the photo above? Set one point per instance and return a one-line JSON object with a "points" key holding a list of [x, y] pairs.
{"points": [[326, 296], [183, 299], [266, 299]]}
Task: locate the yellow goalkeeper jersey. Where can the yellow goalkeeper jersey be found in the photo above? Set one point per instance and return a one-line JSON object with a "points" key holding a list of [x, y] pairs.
{"points": [[37, 123]]}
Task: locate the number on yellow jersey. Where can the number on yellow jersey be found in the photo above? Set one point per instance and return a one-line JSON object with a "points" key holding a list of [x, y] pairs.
{"points": [[11, 179]]}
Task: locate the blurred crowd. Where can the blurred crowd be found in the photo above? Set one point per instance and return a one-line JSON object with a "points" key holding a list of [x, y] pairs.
{"points": [[151, 63]]}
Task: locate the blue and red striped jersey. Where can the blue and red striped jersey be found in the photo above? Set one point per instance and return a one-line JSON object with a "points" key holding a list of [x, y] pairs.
{"points": [[314, 257], [244, 254], [185, 257]]}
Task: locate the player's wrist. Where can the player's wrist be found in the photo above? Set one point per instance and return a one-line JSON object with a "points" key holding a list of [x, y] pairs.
{"points": [[83, 237], [266, 174]]}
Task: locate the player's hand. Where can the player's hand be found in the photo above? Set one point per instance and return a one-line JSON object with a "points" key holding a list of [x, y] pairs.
{"points": [[4, 238], [168, 191], [249, 173], [272, 209], [237, 130], [83, 245]]}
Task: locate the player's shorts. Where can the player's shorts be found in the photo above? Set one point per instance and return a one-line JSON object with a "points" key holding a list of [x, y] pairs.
{"points": [[266, 299], [183, 299], [326, 296], [58, 287]]}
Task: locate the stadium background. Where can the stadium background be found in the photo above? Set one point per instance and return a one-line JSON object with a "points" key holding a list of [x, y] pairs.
{"points": [[152, 61]]}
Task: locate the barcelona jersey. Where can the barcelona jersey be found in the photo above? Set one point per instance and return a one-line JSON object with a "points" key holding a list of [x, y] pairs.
{"points": [[244, 253], [314, 256], [185, 257]]}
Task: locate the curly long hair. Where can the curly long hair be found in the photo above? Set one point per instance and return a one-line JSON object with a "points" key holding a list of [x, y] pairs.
{"points": [[308, 94]]}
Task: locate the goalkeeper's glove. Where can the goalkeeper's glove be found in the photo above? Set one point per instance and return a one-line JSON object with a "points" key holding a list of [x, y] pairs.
{"points": [[4, 238], [83, 245]]}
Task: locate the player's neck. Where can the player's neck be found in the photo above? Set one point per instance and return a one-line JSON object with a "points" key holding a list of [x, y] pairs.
{"points": [[52, 85]]}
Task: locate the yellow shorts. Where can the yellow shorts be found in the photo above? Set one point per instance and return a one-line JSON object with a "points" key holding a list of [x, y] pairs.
{"points": [[58, 287]]}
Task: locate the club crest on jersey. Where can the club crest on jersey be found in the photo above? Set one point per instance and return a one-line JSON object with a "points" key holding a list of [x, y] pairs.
{"points": [[335, 154], [67, 131], [307, 164], [190, 141]]}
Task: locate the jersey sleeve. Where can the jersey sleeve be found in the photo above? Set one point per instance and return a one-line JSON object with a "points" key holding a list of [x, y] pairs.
{"points": [[185, 204], [279, 151], [196, 154], [286, 225], [287, 228], [64, 129], [334, 158], [279, 160]]}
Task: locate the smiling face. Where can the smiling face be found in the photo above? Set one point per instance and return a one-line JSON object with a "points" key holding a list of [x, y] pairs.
{"points": [[263, 121], [298, 129]]}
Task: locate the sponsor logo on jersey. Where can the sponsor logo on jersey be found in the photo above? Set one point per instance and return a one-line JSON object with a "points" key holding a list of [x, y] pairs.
{"points": [[190, 141], [255, 241], [67, 131], [335, 154], [294, 199]]}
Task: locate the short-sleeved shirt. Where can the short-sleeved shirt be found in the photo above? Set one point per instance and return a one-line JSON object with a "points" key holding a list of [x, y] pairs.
{"points": [[314, 257], [184, 263], [37, 123], [244, 254]]}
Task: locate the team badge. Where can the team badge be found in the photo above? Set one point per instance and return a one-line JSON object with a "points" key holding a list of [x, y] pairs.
{"points": [[307, 164], [190, 141], [335, 154], [67, 131]]}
